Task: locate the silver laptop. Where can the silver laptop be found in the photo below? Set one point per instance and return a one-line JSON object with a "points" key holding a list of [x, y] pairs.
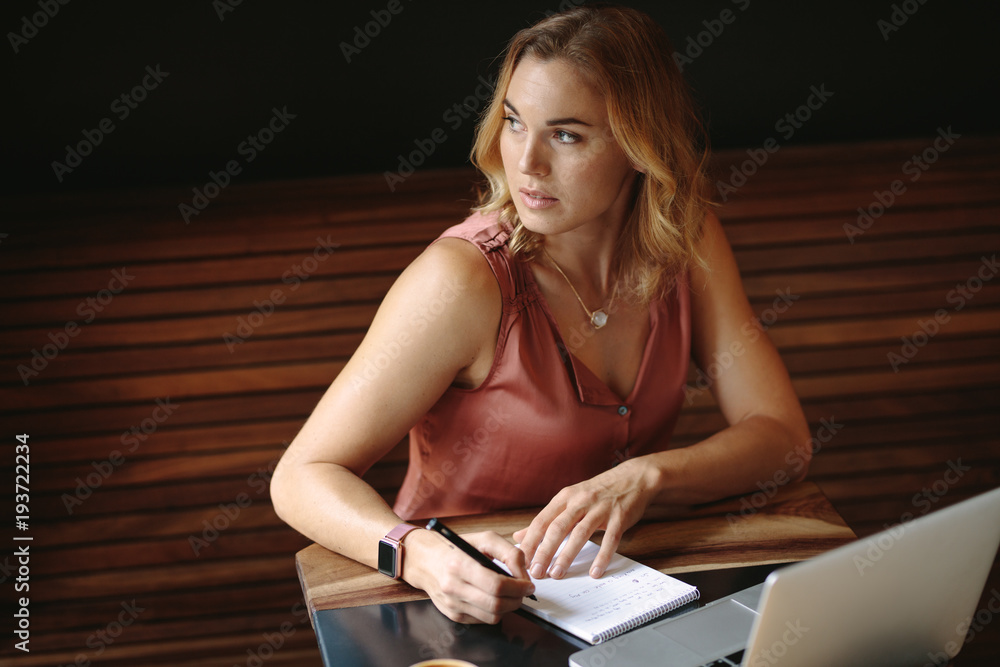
{"points": [[905, 596]]}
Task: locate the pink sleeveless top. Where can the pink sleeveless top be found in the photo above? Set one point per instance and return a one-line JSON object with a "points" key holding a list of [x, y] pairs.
{"points": [[541, 420]]}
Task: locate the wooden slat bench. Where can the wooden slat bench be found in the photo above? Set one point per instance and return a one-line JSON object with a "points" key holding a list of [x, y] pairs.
{"points": [[143, 532]]}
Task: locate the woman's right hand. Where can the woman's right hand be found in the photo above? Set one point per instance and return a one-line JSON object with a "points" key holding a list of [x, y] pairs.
{"points": [[462, 589]]}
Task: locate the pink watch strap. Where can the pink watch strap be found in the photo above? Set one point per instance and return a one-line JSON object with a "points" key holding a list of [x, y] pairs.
{"points": [[399, 532]]}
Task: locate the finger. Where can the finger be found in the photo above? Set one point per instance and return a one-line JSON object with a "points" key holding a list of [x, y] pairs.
{"points": [[491, 595], [454, 593], [470, 589], [609, 545], [532, 536], [574, 543], [456, 610], [496, 547], [557, 531], [461, 611]]}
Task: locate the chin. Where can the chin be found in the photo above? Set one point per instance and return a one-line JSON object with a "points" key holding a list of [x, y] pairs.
{"points": [[536, 221], [533, 224]]}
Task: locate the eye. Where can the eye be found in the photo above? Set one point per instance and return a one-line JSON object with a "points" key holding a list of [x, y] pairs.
{"points": [[513, 124], [564, 137]]}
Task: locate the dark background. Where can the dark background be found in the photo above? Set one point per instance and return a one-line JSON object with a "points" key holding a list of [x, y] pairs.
{"points": [[226, 75]]}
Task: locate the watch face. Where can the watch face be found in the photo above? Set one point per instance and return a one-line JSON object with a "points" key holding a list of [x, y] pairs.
{"points": [[387, 559]]}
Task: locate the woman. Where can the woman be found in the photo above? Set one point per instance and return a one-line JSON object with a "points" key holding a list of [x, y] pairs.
{"points": [[545, 340]]}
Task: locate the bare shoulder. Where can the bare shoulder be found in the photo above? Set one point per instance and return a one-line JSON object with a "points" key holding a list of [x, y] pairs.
{"points": [[455, 260], [447, 299], [453, 271], [714, 249]]}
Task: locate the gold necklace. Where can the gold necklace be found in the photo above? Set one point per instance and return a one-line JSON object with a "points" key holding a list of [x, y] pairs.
{"points": [[598, 318]]}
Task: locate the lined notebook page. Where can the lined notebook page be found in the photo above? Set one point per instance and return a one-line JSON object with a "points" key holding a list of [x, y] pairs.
{"points": [[595, 610]]}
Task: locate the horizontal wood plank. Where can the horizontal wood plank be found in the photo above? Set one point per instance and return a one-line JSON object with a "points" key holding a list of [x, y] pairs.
{"points": [[860, 289]]}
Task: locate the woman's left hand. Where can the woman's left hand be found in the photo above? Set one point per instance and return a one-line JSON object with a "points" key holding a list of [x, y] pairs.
{"points": [[612, 501]]}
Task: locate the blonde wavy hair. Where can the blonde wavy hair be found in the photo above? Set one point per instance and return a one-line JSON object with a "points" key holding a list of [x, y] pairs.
{"points": [[628, 57]]}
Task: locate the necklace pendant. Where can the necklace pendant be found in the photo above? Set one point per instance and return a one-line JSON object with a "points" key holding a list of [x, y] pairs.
{"points": [[599, 319]]}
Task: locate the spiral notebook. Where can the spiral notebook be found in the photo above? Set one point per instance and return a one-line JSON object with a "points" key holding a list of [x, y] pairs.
{"points": [[595, 610]]}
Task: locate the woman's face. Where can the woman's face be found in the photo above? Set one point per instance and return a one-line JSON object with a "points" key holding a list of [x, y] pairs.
{"points": [[564, 168]]}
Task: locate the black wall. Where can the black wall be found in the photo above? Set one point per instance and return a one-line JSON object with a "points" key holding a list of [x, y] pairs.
{"points": [[227, 71]]}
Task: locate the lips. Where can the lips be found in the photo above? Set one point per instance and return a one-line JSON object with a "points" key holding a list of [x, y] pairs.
{"points": [[536, 199]]}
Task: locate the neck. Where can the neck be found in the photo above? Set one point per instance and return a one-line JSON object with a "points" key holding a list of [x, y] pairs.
{"points": [[587, 259]]}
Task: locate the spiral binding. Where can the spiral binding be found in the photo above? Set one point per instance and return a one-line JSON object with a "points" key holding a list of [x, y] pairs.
{"points": [[635, 622]]}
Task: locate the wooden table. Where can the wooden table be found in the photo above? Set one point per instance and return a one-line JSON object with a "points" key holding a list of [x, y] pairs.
{"points": [[795, 523]]}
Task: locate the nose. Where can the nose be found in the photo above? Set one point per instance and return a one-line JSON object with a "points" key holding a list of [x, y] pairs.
{"points": [[533, 159]]}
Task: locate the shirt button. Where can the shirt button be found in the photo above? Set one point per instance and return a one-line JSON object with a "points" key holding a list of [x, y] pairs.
{"points": [[623, 410]]}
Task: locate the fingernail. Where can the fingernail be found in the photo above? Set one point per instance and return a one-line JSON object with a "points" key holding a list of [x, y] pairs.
{"points": [[557, 572], [537, 571], [595, 572]]}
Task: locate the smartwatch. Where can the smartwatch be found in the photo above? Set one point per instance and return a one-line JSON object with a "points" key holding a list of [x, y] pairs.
{"points": [[390, 551]]}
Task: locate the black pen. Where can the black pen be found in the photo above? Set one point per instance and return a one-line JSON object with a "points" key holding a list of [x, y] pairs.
{"points": [[478, 555]]}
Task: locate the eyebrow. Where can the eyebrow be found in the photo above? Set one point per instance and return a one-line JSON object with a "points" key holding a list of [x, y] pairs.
{"points": [[554, 121]]}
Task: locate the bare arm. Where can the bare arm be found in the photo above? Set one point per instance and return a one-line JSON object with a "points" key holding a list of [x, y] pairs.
{"points": [[767, 437], [440, 320], [767, 430]]}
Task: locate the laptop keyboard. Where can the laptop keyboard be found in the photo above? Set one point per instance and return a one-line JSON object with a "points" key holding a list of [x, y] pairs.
{"points": [[728, 661]]}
